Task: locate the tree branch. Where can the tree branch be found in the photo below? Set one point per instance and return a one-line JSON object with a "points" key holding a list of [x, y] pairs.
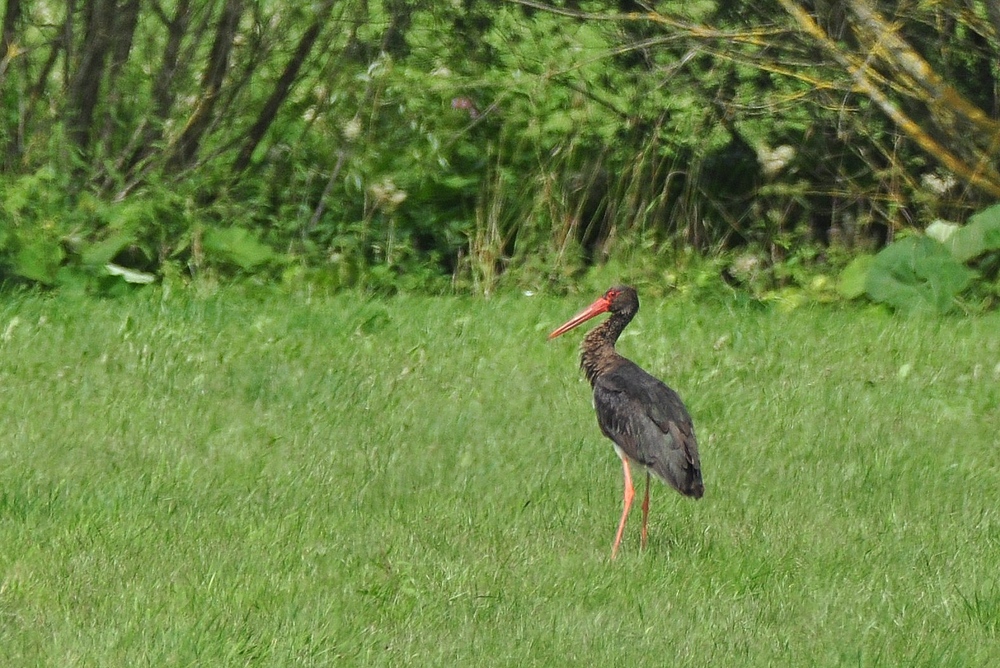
{"points": [[981, 176], [899, 55]]}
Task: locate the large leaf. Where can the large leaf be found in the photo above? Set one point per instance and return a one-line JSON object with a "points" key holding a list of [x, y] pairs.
{"points": [[39, 260], [917, 274], [980, 235], [851, 283], [103, 252], [237, 246]]}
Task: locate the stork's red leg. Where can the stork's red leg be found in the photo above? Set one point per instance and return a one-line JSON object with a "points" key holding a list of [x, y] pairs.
{"points": [[645, 512], [629, 495]]}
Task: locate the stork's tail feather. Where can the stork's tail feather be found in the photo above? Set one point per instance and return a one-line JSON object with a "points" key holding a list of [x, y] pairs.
{"points": [[681, 474]]}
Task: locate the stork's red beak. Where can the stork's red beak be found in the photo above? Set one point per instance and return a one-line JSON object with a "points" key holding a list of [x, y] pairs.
{"points": [[597, 308]]}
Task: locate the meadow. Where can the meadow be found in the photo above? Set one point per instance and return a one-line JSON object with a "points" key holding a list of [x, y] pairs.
{"points": [[265, 479]]}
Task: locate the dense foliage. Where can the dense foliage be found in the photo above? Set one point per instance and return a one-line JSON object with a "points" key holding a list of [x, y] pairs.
{"points": [[404, 144]]}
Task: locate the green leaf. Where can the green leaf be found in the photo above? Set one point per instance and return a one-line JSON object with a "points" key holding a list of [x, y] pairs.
{"points": [[236, 245], [458, 182], [917, 274], [39, 260], [980, 235], [851, 283], [104, 251]]}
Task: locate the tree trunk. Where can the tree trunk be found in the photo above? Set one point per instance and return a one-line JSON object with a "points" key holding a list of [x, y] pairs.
{"points": [[126, 19], [85, 80], [281, 89], [163, 93], [9, 51], [186, 147]]}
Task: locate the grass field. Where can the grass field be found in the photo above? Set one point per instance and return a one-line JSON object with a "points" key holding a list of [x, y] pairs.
{"points": [[246, 480]]}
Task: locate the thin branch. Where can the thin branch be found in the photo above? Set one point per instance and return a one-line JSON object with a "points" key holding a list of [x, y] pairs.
{"points": [[983, 177], [896, 52], [321, 205]]}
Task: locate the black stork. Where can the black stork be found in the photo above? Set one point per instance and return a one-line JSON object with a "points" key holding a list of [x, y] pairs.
{"points": [[645, 419]]}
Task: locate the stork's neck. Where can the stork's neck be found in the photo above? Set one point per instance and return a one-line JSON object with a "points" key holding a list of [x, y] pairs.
{"points": [[597, 354]]}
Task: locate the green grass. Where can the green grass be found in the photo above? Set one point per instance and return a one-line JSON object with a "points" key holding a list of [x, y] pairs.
{"points": [[272, 481]]}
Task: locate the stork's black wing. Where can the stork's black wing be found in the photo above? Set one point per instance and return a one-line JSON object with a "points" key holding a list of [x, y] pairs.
{"points": [[649, 422]]}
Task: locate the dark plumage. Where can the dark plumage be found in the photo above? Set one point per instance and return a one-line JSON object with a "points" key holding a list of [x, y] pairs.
{"points": [[646, 420]]}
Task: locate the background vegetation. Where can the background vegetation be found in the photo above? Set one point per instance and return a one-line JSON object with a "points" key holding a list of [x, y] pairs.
{"points": [[465, 144]]}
